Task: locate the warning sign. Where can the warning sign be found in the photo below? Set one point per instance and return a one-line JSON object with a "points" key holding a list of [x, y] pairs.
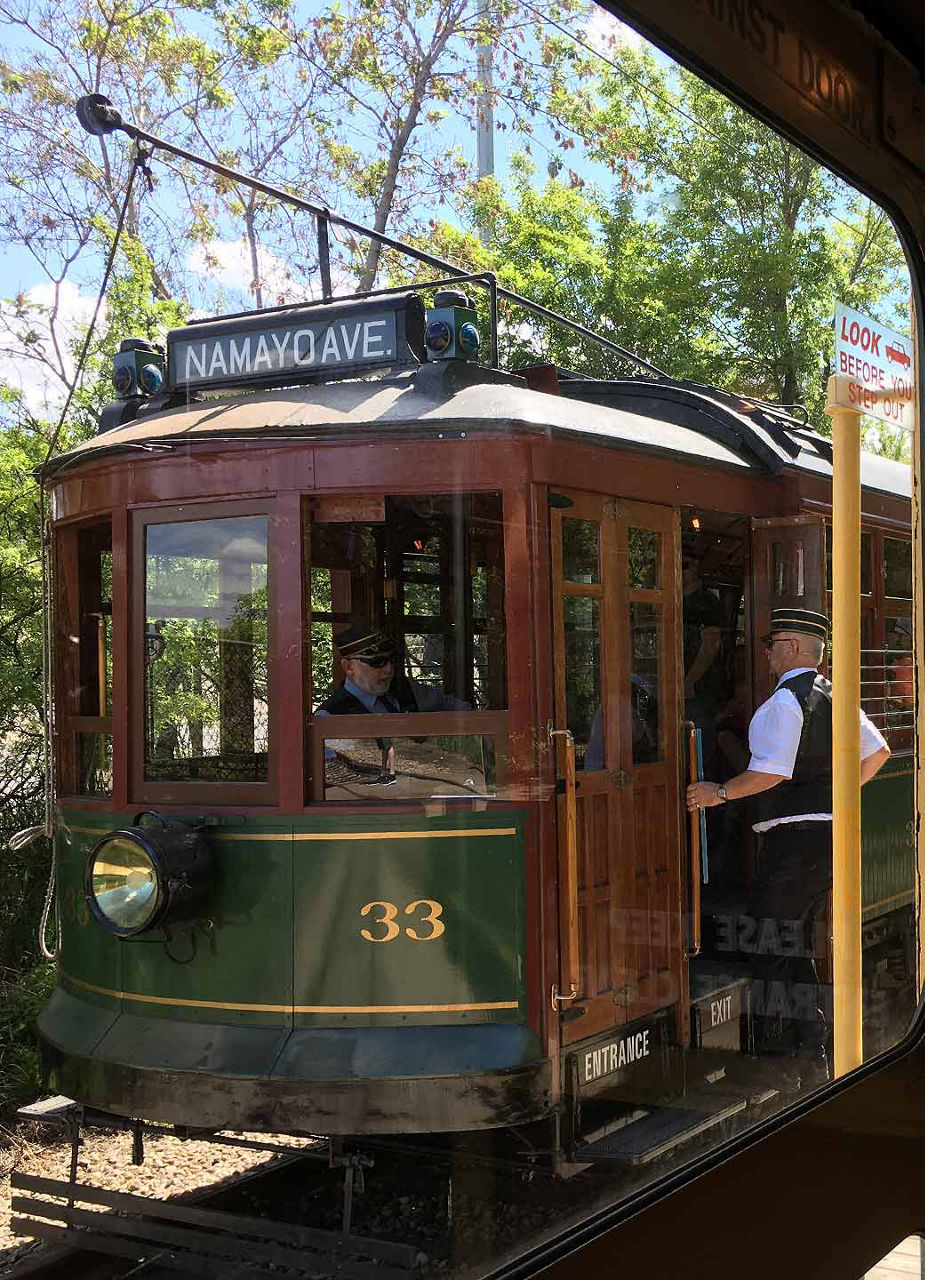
{"points": [[873, 368]]}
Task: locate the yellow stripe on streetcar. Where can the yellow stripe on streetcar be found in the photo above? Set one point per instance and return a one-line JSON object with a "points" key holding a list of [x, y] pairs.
{"points": [[180, 1002], [259, 836]]}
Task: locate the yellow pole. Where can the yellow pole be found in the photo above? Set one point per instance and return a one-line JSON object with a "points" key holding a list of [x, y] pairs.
{"points": [[846, 734], [918, 632]]}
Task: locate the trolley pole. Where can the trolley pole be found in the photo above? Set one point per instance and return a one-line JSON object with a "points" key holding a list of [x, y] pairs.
{"points": [[846, 733]]}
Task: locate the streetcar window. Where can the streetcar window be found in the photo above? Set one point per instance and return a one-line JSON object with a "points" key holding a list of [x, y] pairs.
{"points": [[428, 573], [583, 703], [580, 550], [645, 633], [886, 634], [205, 650], [645, 552], [899, 675], [84, 571], [444, 766], [897, 568]]}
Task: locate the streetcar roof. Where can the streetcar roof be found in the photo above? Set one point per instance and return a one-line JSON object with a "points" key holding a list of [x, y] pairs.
{"points": [[697, 424]]}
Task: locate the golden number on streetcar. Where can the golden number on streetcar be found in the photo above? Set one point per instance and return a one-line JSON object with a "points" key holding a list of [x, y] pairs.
{"points": [[392, 930], [390, 911], [432, 918]]}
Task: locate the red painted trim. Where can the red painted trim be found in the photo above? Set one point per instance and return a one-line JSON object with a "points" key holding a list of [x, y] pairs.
{"points": [[288, 657], [121, 658]]}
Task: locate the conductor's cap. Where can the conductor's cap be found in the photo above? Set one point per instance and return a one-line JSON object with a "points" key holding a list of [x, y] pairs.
{"points": [[801, 621], [364, 642]]}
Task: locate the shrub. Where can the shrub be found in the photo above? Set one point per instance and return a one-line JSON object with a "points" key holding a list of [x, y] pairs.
{"points": [[22, 997]]}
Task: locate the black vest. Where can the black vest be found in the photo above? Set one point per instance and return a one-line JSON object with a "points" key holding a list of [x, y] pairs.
{"points": [[810, 788], [343, 703]]}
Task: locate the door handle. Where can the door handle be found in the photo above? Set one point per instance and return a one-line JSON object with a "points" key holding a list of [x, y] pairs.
{"points": [[694, 852], [568, 901]]}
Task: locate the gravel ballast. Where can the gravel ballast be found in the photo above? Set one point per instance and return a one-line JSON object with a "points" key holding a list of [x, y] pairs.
{"points": [[171, 1168]]}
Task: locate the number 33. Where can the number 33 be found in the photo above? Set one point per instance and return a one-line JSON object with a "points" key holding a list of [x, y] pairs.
{"points": [[392, 930]]}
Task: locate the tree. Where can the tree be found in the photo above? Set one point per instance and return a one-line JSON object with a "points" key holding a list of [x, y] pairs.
{"points": [[400, 73], [23, 872], [719, 258], [754, 243]]}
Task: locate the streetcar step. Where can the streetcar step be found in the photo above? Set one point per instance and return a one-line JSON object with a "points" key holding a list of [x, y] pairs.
{"points": [[48, 1109], [659, 1132]]}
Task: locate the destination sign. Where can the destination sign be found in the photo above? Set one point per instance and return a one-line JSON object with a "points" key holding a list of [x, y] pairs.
{"points": [[300, 344], [874, 370]]}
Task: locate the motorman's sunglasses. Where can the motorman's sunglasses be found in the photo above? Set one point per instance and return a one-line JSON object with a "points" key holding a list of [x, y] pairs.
{"points": [[376, 663], [770, 641]]}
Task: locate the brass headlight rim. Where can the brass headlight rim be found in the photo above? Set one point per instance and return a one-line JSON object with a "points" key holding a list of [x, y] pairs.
{"points": [[136, 838]]}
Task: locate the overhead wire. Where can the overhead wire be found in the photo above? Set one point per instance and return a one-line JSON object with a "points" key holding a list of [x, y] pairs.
{"points": [[22, 838]]}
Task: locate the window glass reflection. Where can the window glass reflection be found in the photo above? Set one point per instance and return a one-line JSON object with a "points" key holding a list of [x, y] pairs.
{"points": [[645, 629], [645, 546], [897, 565], [205, 650], [580, 550], [581, 616], [94, 764], [438, 767]]}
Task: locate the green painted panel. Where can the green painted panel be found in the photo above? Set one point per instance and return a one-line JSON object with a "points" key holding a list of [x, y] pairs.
{"points": [[887, 839], [88, 954], [245, 959], [465, 872], [288, 900]]}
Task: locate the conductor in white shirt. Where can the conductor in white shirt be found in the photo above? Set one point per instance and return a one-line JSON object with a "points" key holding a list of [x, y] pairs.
{"points": [[790, 776]]}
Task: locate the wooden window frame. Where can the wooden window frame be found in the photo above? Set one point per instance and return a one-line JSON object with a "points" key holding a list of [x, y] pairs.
{"points": [[143, 791], [489, 723], [69, 719], [429, 724]]}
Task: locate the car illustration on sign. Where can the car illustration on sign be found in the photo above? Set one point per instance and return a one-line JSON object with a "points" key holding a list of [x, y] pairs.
{"points": [[897, 353]]}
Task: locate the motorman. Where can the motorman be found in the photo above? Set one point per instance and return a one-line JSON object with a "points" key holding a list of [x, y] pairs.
{"points": [[373, 686], [790, 776]]}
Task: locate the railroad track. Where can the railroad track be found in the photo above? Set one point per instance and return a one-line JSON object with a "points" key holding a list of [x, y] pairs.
{"points": [[90, 1231], [459, 1204]]}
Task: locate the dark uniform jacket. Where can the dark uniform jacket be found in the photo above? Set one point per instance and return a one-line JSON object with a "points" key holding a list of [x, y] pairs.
{"points": [[796, 861]]}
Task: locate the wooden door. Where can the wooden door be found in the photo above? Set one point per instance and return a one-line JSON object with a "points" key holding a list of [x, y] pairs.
{"points": [[617, 669]]}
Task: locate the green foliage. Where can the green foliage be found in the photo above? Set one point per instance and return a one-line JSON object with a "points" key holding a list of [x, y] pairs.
{"points": [[719, 258], [23, 874], [22, 997]]}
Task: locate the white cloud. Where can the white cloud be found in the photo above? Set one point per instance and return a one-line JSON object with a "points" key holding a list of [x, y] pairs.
{"points": [[603, 30], [227, 264], [28, 366]]}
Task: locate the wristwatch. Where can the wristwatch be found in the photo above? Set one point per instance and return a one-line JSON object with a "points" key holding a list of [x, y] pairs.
{"points": [[721, 793]]}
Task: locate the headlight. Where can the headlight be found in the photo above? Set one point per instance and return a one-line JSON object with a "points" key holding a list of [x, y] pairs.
{"points": [[123, 886], [147, 875]]}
